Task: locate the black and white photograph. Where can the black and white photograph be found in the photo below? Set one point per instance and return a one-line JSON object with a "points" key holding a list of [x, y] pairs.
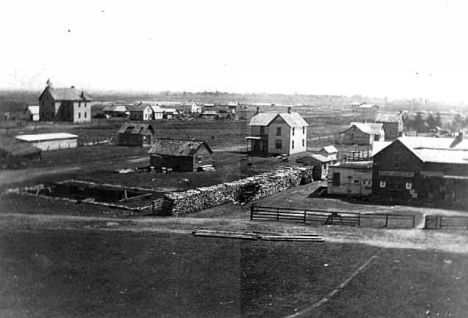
{"points": [[233, 159]]}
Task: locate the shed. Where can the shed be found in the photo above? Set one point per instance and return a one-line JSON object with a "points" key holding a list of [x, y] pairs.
{"points": [[33, 113], [320, 163], [329, 152], [14, 154], [180, 155], [132, 134], [46, 142], [350, 178]]}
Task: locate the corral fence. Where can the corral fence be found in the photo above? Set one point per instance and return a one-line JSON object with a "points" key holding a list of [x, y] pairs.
{"points": [[436, 222], [378, 220]]}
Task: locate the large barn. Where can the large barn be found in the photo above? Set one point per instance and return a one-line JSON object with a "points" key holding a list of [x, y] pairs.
{"points": [[362, 134], [180, 155], [134, 134], [46, 142]]}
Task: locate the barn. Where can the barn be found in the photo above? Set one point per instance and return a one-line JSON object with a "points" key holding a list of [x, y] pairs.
{"points": [[362, 133], [180, 155], [133, 134], [46, 142], [15, 155]]}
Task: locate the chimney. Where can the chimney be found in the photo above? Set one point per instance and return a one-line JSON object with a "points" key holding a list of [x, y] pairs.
{"points": [[289, 110], [258, 110]]}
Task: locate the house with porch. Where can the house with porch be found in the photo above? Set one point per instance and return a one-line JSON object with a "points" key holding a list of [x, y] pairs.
{"points": [[277, 133]]}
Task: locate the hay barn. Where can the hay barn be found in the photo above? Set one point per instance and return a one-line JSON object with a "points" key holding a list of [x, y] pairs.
{"points": [[132, 134], [180, 155]]}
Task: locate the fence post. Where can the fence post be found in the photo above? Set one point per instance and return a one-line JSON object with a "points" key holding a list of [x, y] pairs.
{"points": [[252, 207], [359, 220], [414, 221], [440, 224], [277, 214], [305, 216], [386, 220]]}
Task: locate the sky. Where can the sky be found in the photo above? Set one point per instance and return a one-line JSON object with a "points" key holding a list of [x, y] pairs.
{"points": [[397, 49]]}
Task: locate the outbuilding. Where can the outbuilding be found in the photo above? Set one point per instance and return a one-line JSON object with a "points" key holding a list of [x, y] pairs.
{"points": [[362, 133], [46, 142], [180, 155], [320, 164], [350, 178], [133, 134]]}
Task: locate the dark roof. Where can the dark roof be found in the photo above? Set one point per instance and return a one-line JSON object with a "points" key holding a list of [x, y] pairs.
{"points": [[177, 147], [66, 94], [17, 149], [131, 128], [138, 108]]}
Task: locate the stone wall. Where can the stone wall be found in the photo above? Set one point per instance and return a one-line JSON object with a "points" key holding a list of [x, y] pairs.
{"points": [[244, 190]]}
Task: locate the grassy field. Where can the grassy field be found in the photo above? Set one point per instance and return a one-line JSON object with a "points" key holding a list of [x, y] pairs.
{"points": [[122, 274]]}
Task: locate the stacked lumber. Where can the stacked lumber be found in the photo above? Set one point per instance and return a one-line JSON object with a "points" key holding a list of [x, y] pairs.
{"points": [[244, 190], [257, 236]]}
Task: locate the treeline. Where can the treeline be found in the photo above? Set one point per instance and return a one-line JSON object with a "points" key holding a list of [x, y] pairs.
{"points": [[430, 123]]}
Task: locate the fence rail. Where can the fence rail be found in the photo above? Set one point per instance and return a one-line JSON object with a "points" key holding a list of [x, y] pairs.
{"points": [[433, 222], [263, 213]]}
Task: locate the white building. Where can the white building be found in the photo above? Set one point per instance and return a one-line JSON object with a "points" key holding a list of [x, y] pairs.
{"points": [[47, 142]]}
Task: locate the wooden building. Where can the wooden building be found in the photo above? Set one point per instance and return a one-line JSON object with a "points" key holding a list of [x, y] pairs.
{"points": [[350, 178], [141, 112], [32, 113], [424, 170], [392, 124], [278, 133], [115, 111], [320, 164], [132, 134], [180, 155], [46, 142], [64, 104], [362, 133], [329, 152]]}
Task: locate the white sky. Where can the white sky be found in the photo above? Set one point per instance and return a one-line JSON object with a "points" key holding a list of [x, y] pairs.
{"points": [[381, 48]]}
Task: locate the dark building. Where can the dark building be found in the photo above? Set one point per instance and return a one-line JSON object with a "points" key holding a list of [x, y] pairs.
{"points": [[180, 155], [423, 170], [16, 155], [392, 125], [362, 134], [131, 134]]}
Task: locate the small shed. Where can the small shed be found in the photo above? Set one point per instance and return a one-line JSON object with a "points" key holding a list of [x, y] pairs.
{"points": [[350, 178], [329, 152], [180, 155], [320, 163], [14, 155], [132, 134], [46, 142]]}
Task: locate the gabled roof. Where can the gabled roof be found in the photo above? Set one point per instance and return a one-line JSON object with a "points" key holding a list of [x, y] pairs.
{"points": [[34, 110], [388, 118], [292, 119], [45, 137], [177, 147], [138, 108], [368, 106], [131, 128], [368, 128], [115, 108], [66, 94], [329, 149]]}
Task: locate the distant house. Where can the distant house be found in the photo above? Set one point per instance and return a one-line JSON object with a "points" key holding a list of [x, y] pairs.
{"points": [[278, 133], [168, 113], [180, 155], [46, 142], [320, 164], [392, 124], [15, 155], [64, 104], [355, 106], [33, 113], [363, 133], [132, 134], [195, 108], [368, 111], [158, 112], [329, 152], [350, 178], [140, 112], [210, 114], [115, 111]]}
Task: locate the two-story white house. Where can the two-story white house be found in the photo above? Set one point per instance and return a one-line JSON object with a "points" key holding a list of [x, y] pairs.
{"points": [[278, 133]]}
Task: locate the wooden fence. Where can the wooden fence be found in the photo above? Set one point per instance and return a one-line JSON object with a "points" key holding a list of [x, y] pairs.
{"points": [[384, 220], [435, 222]]}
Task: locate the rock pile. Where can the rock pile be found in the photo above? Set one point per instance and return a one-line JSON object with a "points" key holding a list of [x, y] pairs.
{"points": [[244, 190]]}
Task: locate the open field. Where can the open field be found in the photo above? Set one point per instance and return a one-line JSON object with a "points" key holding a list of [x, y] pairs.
{"points": [[93, 273]]}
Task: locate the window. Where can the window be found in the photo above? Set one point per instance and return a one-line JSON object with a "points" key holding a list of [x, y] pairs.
{"points": [[85, 115], [293, 143], [79, 115], [336, 179], [303, 142], [293, 132], [278, 131], [303, 130], [278, 144], [79, 104], [262, 131], [396, 161], [199, 158], [357, 182]]}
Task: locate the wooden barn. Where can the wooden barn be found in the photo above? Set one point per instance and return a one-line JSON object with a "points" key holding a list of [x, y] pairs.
{"points": [[15, 155], [180, 155], [133, 134], [362, 134]]}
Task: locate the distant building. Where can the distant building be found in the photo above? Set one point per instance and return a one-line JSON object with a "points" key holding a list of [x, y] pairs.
{"points": [[140, 112], [210, 114], [115, 111], [363, 133], [64, 104], [368, 111], [350, 178], [278, 133], [180, 155], [33, 113], [158, 112], [132, 134], [195, 108], [422, 169], [392, 125], [46, 142], [329, 152], [320, 164]]}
